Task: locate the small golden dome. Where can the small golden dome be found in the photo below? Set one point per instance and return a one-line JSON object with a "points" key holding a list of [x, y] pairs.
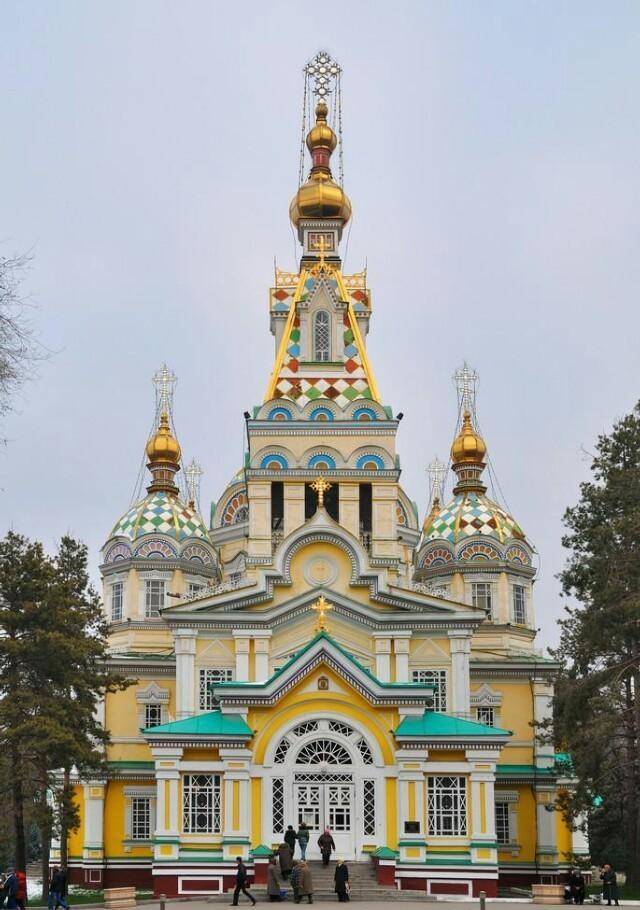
{"points": [[320, 196], [468, 446], [163, 446]]}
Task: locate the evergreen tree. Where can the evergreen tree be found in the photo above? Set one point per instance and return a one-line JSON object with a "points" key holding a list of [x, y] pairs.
{"points": [[52, 675], [597, 705]]}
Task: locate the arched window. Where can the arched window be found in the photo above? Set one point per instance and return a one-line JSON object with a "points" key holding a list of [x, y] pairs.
{"points": [[322, 336], [323, 751]]}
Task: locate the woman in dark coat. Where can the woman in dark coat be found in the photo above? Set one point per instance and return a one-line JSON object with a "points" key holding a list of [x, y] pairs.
{"points": [[305, 886], [286, 859], [341, 878], [326, 844], [273, 885]]}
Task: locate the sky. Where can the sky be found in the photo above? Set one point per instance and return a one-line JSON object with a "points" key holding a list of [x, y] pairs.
{"points": [[149, 151]]}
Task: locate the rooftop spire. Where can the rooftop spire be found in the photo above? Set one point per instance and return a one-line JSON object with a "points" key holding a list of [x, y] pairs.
{"points": [[163, 449], [436, 471], [469, 448]]}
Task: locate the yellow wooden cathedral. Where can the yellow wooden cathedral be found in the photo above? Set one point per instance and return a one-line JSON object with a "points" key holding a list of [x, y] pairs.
{"points": [[312, 652]]}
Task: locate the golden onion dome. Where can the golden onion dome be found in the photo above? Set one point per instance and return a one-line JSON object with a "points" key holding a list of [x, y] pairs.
{"points": [[163, 446], [320, 196], [468, 446]]}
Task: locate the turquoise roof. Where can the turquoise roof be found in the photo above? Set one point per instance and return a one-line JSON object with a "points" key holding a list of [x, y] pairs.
{"points": [[213, 723], [433, 723]]}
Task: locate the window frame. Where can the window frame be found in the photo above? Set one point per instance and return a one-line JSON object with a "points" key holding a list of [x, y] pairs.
{"points": [[149, 612], [191, 809], [439, 787], [441, 690], [117, 585], [515, 606], [480, 709], [154, 706], [205, 697], [504, 808], [318, 353], [488, 596]]}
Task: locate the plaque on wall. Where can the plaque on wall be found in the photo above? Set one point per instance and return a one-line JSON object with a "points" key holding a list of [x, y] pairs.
{"points": [[412, 827], [323, 683]]}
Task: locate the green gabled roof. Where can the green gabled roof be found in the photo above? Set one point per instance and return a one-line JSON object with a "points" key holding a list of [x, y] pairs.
{"points": [[433, 723], [213, 723], [524, 771], [419, 687]]}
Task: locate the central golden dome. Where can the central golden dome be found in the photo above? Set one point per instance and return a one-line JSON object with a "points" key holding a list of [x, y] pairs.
{"points": [[320, 196]]}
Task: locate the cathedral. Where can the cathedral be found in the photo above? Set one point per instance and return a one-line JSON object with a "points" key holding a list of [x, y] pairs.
{"points": [[312, 651]]}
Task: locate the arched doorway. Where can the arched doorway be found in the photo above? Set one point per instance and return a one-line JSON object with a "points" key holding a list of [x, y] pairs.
{"points": [[327, 774]]}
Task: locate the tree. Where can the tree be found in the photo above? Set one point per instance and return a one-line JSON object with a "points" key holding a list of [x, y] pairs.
{"points": [[19, 349], [597, 705], [53, 672]]}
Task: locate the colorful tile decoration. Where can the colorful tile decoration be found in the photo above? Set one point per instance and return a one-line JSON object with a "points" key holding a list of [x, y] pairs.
{"points": [[470, 514], [304, 388], [160, 513]]}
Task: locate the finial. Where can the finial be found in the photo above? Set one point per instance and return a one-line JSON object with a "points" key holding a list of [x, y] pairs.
{"points": [[436, 471], [193, 473], [165, 382], [321, 486], [322, 607], [466, 382], [324, 71]]}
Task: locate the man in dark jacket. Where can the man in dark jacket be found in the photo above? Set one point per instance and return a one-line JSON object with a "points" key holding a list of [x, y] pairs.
{"points": [[303, 839], [341, 878], [11, 889], [290, 838], [241, 884], [57, 890], [326, 844], [609, 884], [577, 886]]}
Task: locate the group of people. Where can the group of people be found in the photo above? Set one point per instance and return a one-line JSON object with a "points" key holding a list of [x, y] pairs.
{"points": [[295, 871], [576, 887]]}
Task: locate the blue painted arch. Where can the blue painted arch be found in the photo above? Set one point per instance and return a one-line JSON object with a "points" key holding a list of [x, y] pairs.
{"points": [[368, 460], [274, 458], [321, 460]]}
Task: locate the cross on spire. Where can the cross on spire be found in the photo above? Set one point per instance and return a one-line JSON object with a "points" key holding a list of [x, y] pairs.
{"points": [[165, 382], [322, 607], [436, 471], [466, 381], [321, 486], [324, 72], [193, 473]]}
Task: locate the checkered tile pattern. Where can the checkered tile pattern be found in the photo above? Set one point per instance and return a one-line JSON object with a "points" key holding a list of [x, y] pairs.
{"points": [[473, 514], [160, 513], [353, 384]]}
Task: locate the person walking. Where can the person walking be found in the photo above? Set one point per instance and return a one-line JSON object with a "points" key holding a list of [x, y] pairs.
{"points": [[303, 840], [241, 883], [290, 838], [273, 884], [577, 886], [21, 893], [295, 880], [286, 860], [305, 886], [341, 879], [57, 890], [11, 889], [609, 884], [326, 844]]}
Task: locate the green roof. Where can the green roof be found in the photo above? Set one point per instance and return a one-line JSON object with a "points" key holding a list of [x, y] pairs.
{"points": [[433, 723], [523, 770], [418, 686], [213, 723]]}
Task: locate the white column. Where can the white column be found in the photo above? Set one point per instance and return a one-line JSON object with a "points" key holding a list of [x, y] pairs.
{"points": [[542, 710], [261, 649], [460, 643], [167, 771], [547, 846], [185, 647], [93, 847], [236, 822], [401, 649], [242, 655], [383, 656], [579, 841], [482, 763]]}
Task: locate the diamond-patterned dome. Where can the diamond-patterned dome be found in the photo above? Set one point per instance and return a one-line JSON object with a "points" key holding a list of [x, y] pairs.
{"points": [[160, 513], [472, 514]]}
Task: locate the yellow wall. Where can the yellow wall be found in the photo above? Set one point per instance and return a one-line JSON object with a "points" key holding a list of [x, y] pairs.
{"points": [[76, 838]]}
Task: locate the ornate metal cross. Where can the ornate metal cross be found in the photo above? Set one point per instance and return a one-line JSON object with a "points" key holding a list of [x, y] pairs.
{"points": [[466, 380], [164, 381], [322, 607], [436, 471], [324, 70], [193, 473], [321, 486]]}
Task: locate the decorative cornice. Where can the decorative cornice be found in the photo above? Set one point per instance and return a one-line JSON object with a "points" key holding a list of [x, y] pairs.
{"points": [[298, 426], [345, 473]]}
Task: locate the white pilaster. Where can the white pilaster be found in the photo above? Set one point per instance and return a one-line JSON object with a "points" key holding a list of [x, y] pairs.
{"points": [[547, 846], [167, 834], [261, 649], [185, 648], [242, 655], [236, 822], [460, 643], [94, 792], [401, 650], [542, 710], [383, 656]]}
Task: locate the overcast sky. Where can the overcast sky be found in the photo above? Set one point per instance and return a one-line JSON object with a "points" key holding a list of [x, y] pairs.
{"points": [[149, 152]]}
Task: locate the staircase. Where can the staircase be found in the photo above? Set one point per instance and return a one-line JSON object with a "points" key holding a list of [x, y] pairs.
{"points": [[362, 882]]}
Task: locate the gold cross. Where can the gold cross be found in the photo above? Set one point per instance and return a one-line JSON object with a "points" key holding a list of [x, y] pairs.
{"points": [[322, 607], [320, 486], [321, 244]]}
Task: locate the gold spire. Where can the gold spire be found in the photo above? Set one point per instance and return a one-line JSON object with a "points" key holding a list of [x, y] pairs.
{"points": [[468, 456], [163, 452], [320, 196]]}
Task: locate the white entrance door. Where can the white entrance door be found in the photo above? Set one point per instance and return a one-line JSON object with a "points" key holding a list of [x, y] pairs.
{"points": [[327, 805]]}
